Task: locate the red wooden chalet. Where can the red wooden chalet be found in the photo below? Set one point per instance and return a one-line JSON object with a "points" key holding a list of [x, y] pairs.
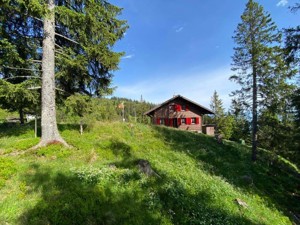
{"points": [[179, 112]]}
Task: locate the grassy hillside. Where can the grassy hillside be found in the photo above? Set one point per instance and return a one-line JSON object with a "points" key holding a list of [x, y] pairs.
{"points": [[98, 181]]}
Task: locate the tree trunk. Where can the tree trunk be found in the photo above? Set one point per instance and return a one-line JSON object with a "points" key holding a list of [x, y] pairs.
{"points": [[254, 62], [81, 127], [254, 115], [50, 132], [21, 113]]}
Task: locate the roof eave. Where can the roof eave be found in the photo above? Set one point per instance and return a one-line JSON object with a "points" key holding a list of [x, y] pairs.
{"points": [[178, 96]]}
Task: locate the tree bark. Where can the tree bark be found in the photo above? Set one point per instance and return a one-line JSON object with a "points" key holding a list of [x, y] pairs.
{"points": [[50, 132], [254, 115], [254, 60], [81, 127], [21, 113]]}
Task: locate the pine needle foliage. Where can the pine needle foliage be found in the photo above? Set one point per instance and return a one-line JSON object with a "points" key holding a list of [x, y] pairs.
{"points": [[258, 64]]}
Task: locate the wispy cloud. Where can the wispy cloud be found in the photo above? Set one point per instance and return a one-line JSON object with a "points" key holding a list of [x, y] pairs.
{"points": [[197, 86], [179, 29], [128, 56], [282, 3]]}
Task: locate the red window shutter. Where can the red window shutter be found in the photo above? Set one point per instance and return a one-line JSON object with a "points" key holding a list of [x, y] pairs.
{"points": [[158, 121], [188, 121], [179, 121], [197, 120], [179, 108], [171, 122], [166, 121], [176, 107]]}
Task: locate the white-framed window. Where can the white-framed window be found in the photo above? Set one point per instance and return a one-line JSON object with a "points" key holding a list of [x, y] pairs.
{"points": [[161, 121], [183, 120], [171, 108], [193, 120], [183, 108]]}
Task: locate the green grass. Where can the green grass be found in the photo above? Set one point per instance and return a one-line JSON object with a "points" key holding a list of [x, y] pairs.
{"points": [[97, 181]]}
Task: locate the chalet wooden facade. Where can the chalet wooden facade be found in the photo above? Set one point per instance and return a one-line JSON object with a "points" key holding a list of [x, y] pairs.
{"points": [[179, 112]]}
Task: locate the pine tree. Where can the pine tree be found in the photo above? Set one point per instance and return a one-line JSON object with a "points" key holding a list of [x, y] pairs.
{"points": [[77, 48], [292, 41], [241, 129], [292, 47], [258, 63], [79, 106], [223, 121], [216, 106], [18, 72], [19, 98]]}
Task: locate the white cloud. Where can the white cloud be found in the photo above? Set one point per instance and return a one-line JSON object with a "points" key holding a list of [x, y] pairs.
{"points": [[282, 3], [179, 29], [197, 86], [128, 56]]}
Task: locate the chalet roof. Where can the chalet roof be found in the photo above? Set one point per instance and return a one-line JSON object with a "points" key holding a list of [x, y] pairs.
{"points": [[204, 109]]}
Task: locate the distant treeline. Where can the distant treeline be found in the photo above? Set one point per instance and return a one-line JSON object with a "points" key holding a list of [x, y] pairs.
{"points": [[104, 109]]}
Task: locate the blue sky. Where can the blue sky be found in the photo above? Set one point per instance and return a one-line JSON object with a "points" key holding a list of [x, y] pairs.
{"points": [[183, 47]]}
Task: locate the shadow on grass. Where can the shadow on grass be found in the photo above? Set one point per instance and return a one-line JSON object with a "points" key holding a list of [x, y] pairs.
{"points": [[15, 129], [233, 162], [186, 208], [66, 199], [120, 148], [171, 199]]}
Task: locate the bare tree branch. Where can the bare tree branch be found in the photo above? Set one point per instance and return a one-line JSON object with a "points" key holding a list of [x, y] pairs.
{"points": [[66, 38], [37, 19], [58, 46], [34, 88], [10, 78], [16, 68], [35, 61]]}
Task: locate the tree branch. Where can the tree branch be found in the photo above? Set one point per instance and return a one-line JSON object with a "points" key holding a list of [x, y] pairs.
{"points": [[10, 78], [37, 19], [58, 46], [16, 68], [35, 61], [67, 38], [34, 88], [61, 53], [58, 89]]}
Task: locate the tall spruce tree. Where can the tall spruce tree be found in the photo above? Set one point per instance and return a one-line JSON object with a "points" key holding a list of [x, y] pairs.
{"points": [[257, 63], [292, 46], [77, 55]]}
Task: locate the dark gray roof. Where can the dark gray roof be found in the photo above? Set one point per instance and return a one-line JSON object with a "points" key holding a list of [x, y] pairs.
{"points": [[206, 110]]}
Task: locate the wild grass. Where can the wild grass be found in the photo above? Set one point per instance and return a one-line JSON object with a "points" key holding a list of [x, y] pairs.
{"points": [[97, 181]]}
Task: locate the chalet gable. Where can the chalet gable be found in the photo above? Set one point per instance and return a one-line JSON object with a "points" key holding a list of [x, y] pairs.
{"points": [[179, 103]]}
